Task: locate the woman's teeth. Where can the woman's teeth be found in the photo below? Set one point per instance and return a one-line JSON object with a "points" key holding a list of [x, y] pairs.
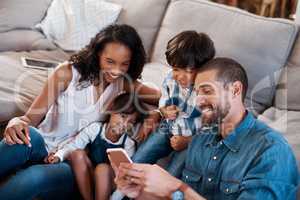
{"points": [[207, 109]]}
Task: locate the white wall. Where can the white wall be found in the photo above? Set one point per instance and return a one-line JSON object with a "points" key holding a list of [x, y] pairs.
{"points": [[298, 13]]}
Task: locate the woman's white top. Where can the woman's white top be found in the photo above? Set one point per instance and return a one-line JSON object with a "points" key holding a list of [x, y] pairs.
{"points": [[75, 109]]}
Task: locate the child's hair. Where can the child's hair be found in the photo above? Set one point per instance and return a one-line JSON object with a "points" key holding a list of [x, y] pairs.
{"points": [[128, 103], [189, 49], [86, 61]]}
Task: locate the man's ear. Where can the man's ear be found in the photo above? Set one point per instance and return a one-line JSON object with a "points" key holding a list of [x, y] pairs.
{"points": [[237, 89]]}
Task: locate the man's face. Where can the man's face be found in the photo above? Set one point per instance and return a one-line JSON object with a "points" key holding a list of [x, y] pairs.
{"points": [[185, 77], [212, 98]]}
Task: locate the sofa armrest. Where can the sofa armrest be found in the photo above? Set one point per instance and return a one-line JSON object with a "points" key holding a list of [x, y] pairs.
{"points": [[287, 122]]}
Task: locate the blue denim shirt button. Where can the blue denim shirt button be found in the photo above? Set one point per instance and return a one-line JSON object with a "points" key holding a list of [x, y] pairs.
{"points": [[215, 157], [209, 179]]}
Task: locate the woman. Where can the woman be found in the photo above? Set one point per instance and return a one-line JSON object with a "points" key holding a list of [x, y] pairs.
{"points": [[71, 99]]}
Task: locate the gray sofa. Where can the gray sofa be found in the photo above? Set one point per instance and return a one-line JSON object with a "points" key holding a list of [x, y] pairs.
{"points": [[269, 49]]}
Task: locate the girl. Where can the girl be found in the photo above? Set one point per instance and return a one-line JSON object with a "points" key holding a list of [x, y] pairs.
{"points": [[76, 94], [118, 132]]}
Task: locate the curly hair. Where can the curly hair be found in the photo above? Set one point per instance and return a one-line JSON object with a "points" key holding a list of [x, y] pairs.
{"points": [[189, 49], [86, 61]]}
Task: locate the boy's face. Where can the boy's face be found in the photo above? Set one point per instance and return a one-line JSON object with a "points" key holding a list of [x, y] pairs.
{"points": [[121, 122], [185, 77]]}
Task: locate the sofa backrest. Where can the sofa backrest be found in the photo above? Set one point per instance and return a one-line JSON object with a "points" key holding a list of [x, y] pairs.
{"points": [[288, 90], [21, 14], [145, 16], [262, 45]]}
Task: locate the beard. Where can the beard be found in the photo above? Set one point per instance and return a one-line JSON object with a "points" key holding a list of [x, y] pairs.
{"points": [[214, 114]]}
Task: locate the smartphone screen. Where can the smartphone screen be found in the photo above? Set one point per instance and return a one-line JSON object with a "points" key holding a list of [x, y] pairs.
{"points": [[38, 63]]}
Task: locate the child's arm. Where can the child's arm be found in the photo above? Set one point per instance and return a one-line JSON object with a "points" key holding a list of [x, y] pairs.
{"points": [[179, 143], [84, 137], [184, 129], [166, 111]]}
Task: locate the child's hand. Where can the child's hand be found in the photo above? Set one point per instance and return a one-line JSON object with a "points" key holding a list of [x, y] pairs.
{"points": [[51, 159], [179, 143], [170, 112]]}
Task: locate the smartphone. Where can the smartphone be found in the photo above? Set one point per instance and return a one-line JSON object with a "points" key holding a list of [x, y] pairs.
{"points": [[118, 156], [38, 63]]}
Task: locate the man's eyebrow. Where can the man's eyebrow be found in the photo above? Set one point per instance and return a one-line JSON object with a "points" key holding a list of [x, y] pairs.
{"points": [[205, 86]]}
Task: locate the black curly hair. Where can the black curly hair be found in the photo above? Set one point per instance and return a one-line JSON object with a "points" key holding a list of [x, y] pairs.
{"points": [[86, 61]]}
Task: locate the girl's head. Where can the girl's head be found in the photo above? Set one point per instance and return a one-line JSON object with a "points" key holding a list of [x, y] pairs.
{"points": [[126, 111], [187, 52], [115, 51]]}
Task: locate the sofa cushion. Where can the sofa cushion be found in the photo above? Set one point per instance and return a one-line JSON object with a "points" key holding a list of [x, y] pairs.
{"points": [[145, 16], [21, 14], [287, 123], [288, 93], [72, 24], [20, 85], [260, 44], [154, 74], [24, 40]]}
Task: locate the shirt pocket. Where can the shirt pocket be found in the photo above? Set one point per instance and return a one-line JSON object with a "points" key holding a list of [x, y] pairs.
{"points": [[192, 178], [229, 189]]}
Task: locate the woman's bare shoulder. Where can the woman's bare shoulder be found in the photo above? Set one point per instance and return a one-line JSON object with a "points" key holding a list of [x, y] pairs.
{"points": [[63, 72]]}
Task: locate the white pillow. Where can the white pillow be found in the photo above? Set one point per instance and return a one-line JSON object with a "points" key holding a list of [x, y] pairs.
{"points": [[72, 23]]}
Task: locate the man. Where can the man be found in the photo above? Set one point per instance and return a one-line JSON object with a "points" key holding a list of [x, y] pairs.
{"points": [[235, 156]]}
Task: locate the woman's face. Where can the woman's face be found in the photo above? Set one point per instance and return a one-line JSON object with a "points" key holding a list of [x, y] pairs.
{"points": [[114, 61]]}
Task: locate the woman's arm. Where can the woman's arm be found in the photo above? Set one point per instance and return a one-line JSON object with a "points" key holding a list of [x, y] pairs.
{"points": [[147, 93], [56, 83]]}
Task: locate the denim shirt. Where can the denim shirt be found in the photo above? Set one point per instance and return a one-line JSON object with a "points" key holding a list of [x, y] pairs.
{"points": [[253, 162]]}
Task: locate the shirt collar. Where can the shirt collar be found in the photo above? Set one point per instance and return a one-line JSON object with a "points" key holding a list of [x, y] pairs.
{"points": [[235, 139]]}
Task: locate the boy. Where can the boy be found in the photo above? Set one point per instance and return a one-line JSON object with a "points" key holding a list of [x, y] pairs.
{"points": [[118, 132], [179, 117]]}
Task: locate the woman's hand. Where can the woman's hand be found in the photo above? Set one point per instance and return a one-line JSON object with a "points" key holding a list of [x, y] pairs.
{"points": [[17, 131], [148, 126]]}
